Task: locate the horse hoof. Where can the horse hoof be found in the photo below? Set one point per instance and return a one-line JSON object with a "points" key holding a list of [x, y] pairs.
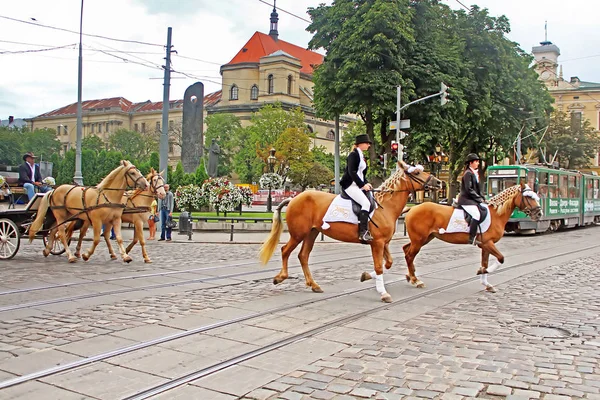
{"points": [[481, 271], [386, 298], [85, 256], [72, 259], [127, 259], [365, 276], [78, 255], [407, 278], [46, 253], [388, 266], [148, 261], [419, 285], [317, 289], [490, 289]]}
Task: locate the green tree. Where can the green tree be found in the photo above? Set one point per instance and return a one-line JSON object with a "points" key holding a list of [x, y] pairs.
{"points": [[574, 145], [224, 128], [295, 160], [93, 142], [11, 146], [132, 144], [365, 43], [42, 142]]}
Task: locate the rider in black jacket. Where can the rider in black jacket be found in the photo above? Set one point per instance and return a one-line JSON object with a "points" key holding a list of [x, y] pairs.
{"points": [[355, 184], [470, 194]]}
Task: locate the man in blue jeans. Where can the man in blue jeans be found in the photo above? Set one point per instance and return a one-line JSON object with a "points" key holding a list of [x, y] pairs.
{"points": [[30, 176], [166, 214]]}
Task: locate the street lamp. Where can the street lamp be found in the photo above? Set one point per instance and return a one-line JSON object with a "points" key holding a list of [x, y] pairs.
{"points": [[437, 159], [271, 163]]}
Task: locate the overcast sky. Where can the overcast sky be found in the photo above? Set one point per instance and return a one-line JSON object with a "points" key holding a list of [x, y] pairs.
{"points": [[207, 34]]}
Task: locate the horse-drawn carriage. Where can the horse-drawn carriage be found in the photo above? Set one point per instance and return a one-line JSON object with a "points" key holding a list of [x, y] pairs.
{"points": [[56, 215]]}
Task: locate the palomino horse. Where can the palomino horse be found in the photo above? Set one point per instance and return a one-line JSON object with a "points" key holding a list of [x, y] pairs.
{"points": [[426, 221], [137, 210], [305, 214], [93, 205]]}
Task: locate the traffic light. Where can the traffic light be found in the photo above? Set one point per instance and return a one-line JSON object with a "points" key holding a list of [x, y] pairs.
{"points": [[394, 148], [381, 161], [444, 94]]}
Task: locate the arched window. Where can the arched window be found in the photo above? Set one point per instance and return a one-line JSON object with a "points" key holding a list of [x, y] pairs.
{"points": [[331, 134], [310, 129], [254, 92], [233, 94], [270, 84], [289, 87]]}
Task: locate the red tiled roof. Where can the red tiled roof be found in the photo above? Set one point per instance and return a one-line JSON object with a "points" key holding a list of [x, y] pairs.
{"points": [[126, 105], [71, 109], [261, 45]]}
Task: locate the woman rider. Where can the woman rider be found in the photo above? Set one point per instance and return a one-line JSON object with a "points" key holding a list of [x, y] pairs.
{"points": [[470, 194], [354, 182]]}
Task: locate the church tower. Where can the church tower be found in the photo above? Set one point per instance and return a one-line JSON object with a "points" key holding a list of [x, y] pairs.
{"points": [[546, 61], [274, 20]]}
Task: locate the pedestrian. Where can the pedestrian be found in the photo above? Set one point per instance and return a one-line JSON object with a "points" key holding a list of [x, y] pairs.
{"points": [[354, 183], [166, 214], [30, 177], [470, 197], [152, 219]]}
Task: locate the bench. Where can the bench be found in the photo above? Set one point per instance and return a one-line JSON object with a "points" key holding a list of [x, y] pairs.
{"points": [[10, 188]]}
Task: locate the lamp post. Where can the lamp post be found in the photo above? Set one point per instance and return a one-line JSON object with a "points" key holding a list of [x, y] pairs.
{"points": [[437, 159], [271, 163], [78, 178]]}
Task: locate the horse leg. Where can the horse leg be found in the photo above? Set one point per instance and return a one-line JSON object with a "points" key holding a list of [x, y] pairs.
{"points": [[117, 226], [135, 238], [410, 252], [62, 235], [106, 236], [286, 250], [97, 228], [307, 246], [377, 251], [485, 256], [139, 235], [51, 238], [82, 232], [387, 256], [490, 248]]}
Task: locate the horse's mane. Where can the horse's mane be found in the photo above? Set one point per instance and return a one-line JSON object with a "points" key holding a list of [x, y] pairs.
{"points": [[501, 201], [389, 184], [111, 177]]}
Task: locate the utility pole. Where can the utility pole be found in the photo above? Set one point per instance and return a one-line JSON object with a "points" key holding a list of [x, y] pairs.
{"points": [[336, 152], [164, 137], [78, 177], [398, 109]]}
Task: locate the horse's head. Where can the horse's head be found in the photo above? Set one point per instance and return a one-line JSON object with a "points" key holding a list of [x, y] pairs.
{"points": [[529, 202], [157, 183], [133, 176], [421, 180]]}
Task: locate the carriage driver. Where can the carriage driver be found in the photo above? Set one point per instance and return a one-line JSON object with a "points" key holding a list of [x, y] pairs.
{"points": [[354, 183], [470, 194]]}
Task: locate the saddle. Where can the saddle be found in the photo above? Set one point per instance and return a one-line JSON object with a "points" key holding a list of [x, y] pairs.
{"points": [[482, 211], [357, 207]]}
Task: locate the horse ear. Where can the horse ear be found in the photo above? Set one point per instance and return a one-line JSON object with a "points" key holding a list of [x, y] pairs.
{"points": [[403, 165], [162, 173], [522, 183]]}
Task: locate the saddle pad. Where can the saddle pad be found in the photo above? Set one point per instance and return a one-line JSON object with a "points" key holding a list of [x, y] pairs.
{"points": [[458, 224], [340, 210]]}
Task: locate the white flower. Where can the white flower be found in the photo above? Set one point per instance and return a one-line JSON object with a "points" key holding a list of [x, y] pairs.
{"points": [[270, 180], [189, 198], [49, 181], [224, 195]]}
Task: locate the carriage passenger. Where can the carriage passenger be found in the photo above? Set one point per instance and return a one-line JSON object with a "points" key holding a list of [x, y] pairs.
{"points": [[354, 183], [470, 196]]}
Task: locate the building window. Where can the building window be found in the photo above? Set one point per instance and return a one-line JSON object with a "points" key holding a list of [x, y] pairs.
{"points": [[92, 128], [575, 120], [143, 127], [107, 127], [270, 84], [158, 127], [254, 92], [170, 125], [58, 130], [331, 134], [310, 129], [233, 93], [99, 128], [289, 87], [65, 130], [171, 147], [135, 127]]}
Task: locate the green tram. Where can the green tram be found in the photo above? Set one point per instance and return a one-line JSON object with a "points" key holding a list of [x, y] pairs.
{"points": [[568, 198]]}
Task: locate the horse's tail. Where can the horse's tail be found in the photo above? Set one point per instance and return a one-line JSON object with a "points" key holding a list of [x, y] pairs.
{"points": [[268, 247], [41, 216]]}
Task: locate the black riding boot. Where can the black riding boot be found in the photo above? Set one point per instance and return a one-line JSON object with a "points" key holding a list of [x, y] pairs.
{"points": [[363, 227], [473, 232]]}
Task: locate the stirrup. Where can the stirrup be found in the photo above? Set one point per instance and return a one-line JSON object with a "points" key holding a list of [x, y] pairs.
{"points": [[366, 237]]}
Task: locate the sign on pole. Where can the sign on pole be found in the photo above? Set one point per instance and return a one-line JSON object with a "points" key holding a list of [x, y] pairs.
{"points": [[404, 124]]}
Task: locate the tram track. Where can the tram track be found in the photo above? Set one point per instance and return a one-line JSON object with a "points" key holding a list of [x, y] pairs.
{"points": [[296, 265], [275, 345]]}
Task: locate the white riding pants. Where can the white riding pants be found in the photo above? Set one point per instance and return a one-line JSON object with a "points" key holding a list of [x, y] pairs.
{"points": [[359, 196], [473, 211]]}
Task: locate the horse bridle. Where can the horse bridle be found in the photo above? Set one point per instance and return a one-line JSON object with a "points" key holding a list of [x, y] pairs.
{"points": [[528, 210], [127, 177], [425, 183]]}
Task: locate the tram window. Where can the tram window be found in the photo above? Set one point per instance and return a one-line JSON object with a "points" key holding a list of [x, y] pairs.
{"points": [[531, 179], [563, 185], [543, 184], [589, 192], [553, 185], [596, 183], [496, 185], [573, 187]]}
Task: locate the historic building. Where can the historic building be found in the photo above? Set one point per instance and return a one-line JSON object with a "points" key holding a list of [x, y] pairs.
{"points": [[266, 70], [579, 98]]}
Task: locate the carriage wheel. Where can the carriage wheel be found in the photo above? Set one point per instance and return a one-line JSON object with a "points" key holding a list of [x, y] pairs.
{"points": [[10, 239], [57, 248]]}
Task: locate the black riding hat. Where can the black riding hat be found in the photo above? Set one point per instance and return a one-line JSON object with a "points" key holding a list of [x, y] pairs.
{"points": [[472, 157], [362, 139]]}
